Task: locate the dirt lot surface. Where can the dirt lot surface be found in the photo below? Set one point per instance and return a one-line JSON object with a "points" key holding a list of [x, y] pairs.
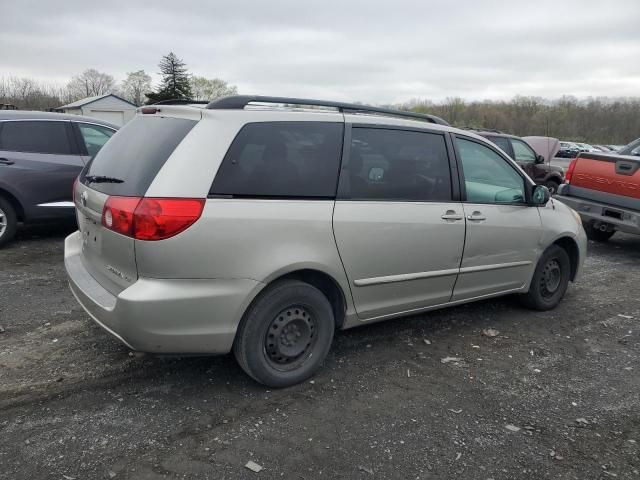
{"points": [[552, 395]]}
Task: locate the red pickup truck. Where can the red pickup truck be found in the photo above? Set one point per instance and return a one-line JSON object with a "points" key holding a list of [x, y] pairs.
{"points": [[605, 190]]}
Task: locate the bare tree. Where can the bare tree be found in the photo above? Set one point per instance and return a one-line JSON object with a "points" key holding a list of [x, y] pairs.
{"points": [[135, 86], [29, 94], [90, 83], [210, 88]]}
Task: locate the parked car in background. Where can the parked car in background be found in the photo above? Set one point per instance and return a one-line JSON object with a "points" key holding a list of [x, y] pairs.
{"points": [[41, 154], [632, 149], [615, 148], [605, 191], [585, 147], [568, 150], [603, 148], [532, 163], [287, 224]]}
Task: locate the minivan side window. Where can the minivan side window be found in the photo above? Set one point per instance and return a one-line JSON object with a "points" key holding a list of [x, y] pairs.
{"points": [[391, 164], [282, 159], [488, 177], [523, 152], [94, 137], [35, 136]]}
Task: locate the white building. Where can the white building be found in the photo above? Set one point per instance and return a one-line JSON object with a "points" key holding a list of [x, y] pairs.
{"points": [[109, 108]]}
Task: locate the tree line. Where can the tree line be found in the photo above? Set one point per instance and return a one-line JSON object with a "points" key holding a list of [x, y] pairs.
{"points": [[593, 120], [176, 83]]}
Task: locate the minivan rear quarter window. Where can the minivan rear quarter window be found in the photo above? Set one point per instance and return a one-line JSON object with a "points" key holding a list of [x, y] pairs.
{"points": [[282, 159], [136, 153]]}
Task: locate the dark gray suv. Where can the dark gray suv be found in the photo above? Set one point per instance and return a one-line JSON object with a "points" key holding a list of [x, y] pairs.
{"points": [[41, 154]]}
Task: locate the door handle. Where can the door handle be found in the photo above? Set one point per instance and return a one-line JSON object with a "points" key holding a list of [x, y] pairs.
{"points": [[451, 215], [6, 161], [476, 216]]}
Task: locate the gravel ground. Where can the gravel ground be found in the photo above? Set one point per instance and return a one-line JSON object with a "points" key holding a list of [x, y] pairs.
{"points": [[552, 395]]}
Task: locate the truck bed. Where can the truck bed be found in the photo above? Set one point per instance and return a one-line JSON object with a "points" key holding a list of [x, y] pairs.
{"points": [[605, 178]]}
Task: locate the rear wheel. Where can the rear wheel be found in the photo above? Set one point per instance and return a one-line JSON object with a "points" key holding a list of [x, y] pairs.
{"points": [[596, 234], [286, 334], [550, 280], [8, 222]]}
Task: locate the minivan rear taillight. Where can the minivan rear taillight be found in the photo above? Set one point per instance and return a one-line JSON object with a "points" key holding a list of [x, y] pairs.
{"points": [[569, 173], [151, 218]]}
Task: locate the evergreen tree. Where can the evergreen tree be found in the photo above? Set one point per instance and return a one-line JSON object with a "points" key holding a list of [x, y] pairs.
{"points": [[175, 80]]}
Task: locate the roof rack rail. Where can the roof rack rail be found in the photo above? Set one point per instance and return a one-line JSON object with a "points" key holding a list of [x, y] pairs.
{"points": [[238, 102], [180, 101]]}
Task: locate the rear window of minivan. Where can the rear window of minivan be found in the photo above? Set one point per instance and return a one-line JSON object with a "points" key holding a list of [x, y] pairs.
{"points": [[282, 160], [136, 153]]}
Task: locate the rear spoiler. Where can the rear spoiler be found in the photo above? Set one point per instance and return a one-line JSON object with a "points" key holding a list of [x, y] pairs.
{"points": [[175, 111]]}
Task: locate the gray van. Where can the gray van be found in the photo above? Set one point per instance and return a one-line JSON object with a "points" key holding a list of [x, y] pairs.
{"points": [[260, 228], [41, 154]]}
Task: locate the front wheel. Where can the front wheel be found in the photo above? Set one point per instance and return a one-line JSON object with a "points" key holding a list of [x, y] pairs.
{"points": [[285, 334], [8, 222], [550, 280]]}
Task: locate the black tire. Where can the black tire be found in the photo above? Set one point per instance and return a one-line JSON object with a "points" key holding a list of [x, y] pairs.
{"points": [[552, 185], [550, 280], [596, 234], [285, 334], [8, 222]]}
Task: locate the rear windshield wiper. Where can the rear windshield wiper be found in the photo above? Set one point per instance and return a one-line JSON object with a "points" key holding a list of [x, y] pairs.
{"points": [[102, 179]]}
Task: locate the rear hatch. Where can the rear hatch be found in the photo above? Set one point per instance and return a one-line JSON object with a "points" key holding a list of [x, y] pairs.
{"points": [[615, 174], [122, 172]]}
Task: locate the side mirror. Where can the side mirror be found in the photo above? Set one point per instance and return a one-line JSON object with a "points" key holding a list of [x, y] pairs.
{"points": [[539, 159], [540, 195]]}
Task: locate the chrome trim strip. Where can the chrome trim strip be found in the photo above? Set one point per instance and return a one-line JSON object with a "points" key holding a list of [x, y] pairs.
{"points": [[497, 266], [57, 204], [404, 277], [109, 127], [35, 119]]}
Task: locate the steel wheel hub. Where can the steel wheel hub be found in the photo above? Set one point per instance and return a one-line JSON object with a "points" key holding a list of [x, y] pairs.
{"points": [[551, 277], [290, 337]]}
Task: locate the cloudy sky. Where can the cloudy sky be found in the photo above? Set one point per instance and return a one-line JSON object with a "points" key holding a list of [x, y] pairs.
{"points": [[375, 51]]}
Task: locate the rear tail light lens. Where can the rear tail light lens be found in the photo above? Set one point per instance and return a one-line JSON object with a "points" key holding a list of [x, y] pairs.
{"points": [[117, 214], [151, 218], [160, 218], [569, 174]]}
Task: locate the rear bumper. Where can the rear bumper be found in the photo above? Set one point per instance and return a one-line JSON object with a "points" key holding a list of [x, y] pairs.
{"points": [[180, 316], [622, 219]]}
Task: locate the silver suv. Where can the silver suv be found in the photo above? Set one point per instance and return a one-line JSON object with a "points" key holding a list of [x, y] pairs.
{"points": [[261, 225]]}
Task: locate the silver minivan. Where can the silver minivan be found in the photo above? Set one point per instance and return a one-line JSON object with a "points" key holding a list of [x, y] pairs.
{"points": [[261, 225]]}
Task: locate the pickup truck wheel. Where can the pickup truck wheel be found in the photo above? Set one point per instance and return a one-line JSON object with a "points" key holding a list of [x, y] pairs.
{"points": [[8, 222], [552, 185], [550, 280], [285, 334], [596, 234]]}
